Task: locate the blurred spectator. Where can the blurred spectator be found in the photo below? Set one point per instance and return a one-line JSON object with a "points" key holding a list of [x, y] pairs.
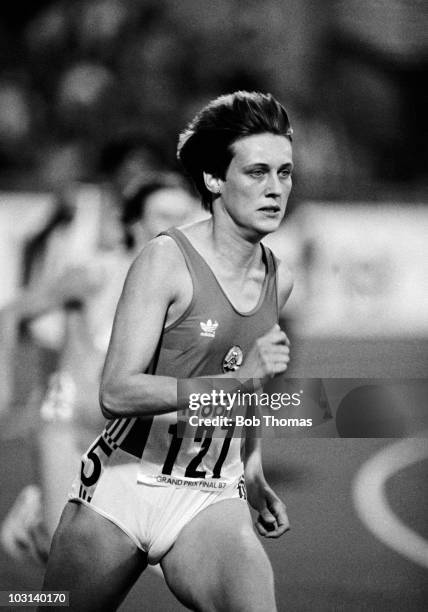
{"points": [[128, 159], [14, 113], [379, 58], [88, 294], [99, 65], [101, 22], [82, 85]]}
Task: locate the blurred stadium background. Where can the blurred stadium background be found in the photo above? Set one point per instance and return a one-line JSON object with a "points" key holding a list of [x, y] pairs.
{"points": [[76, 76]]}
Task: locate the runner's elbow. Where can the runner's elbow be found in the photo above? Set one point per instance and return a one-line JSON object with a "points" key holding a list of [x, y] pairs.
{"points": [[109, 402]]}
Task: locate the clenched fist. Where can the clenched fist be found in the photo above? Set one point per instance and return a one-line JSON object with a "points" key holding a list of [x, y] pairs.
{"points": [[268, 356]]}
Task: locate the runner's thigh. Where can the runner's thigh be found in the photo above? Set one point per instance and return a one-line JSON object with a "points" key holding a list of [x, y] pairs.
{"points": [[218, 563], [93, 559]]}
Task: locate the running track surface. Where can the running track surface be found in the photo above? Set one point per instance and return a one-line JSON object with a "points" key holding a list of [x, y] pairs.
{"points": [[329, 561]]}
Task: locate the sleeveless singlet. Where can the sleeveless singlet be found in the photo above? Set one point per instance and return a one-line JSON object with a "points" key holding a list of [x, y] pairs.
{"points": [[203, 341]]}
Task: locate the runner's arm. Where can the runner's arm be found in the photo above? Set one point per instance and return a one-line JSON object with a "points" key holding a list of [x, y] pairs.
{"points": [[272, 520], [152, 287]]}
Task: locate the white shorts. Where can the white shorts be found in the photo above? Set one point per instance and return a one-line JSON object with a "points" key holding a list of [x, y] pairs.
{"points": [[152, 516]]}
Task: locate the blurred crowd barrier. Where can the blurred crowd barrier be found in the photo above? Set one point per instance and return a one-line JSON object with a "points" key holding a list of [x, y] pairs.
{"points": [[360, 269]]}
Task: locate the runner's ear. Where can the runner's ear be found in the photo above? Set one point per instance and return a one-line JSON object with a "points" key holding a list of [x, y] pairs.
{"points": [[212, 183]]}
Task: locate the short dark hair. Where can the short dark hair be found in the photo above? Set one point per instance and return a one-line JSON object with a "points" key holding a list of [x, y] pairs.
{"points": [[133, 204], [206, 144]]}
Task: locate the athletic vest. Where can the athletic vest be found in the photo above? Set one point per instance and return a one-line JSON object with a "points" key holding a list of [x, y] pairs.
{"points": [[210, 338]]}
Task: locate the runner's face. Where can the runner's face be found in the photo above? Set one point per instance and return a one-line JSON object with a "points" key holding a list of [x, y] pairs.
{"points": [[258, 182]]}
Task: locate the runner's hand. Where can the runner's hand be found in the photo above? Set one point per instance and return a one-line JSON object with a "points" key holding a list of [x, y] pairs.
{"points": [[269, 356], [272, 520]]}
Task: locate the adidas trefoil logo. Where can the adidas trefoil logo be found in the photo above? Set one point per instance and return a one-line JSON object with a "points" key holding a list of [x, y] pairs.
{"points": [[208, 328]]}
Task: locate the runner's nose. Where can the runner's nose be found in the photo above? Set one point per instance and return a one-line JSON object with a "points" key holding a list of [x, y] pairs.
{"points": [[273, 187]]}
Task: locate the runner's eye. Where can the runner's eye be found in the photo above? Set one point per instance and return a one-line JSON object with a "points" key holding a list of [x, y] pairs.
{"points": [[256, 173]]}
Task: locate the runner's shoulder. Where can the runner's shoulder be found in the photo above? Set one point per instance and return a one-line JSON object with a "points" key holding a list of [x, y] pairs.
{"points": [[162, 259]]}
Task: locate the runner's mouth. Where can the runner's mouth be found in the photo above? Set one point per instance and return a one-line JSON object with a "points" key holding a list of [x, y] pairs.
{"points": [[270, 209]]}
